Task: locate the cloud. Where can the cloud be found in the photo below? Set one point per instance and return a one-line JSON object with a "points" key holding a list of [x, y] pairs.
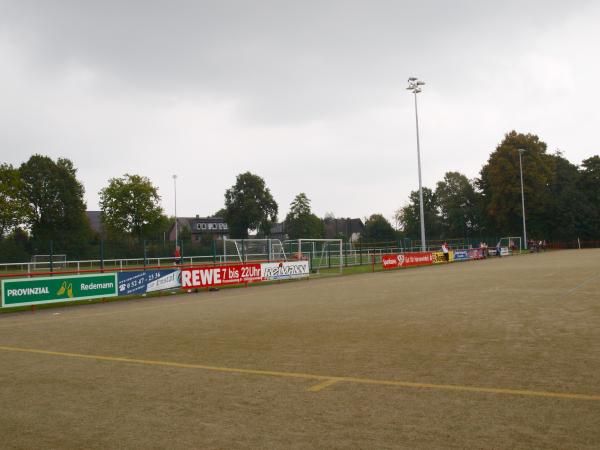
{"points": [[309, 95]]}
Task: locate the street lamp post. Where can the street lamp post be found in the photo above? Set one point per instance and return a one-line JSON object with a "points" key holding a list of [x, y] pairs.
{"points": [[176, 227], [522, 199], [414, 85]]}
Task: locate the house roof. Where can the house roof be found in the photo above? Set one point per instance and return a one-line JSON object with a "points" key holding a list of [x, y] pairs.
{"points": [[190, 222], [278, 228], [346, 226]]}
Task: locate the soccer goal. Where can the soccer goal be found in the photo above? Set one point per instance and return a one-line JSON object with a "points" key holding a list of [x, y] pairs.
{"points": [[321, 253], [242, 250], [513, 243], [48, 262]]}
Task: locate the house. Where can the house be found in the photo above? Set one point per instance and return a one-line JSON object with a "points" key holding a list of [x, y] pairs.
{"points": [[278, 231], [214, 227], [351, 229]]}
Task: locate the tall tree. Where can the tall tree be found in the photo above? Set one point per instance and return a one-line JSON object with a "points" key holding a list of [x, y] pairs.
{"points": [[300, 222], [57, 206], [457, 201], [14, 208], [589, 185], [565, 216], [249, 205], [500, 186], [408, 217], [130, 204], [379, 229]]}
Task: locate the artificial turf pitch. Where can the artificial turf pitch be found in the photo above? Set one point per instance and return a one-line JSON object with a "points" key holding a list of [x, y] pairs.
{"points": [[502, 353]]}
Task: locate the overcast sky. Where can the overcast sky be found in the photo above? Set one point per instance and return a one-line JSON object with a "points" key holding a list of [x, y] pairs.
{"points": [[309, 95]]}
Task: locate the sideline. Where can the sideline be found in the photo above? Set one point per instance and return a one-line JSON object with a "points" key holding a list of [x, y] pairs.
{"points": [[580, 285], [325, 380]]}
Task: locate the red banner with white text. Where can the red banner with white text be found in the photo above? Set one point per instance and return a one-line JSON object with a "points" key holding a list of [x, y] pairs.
{"points": [[199, 277], [407, 260]]}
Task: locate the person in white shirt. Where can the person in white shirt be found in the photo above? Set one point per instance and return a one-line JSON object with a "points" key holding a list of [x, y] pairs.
{"points": [[446, 253]]}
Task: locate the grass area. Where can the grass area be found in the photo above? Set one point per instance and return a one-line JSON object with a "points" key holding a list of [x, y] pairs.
{"points": [[495, 354]]}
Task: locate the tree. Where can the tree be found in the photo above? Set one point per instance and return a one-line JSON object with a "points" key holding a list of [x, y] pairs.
{"points": [[589, 186], [379, 229], [249, 205], [300, 222], [500, 186], [158, 229], [57, 207], [15, 247], [130, 204], [409, 216], [220, 213], [14, 208], [457, 201], [565, 216]]}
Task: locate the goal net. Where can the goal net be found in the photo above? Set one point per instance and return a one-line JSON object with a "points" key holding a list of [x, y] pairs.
{"points": [[512, 243], [321, 253], [47, 262], [242, 250]]}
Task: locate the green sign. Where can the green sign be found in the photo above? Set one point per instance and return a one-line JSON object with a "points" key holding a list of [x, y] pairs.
{"points": [[37, 290]]}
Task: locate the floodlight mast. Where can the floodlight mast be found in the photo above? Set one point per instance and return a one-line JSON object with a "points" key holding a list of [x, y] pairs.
{"points": [[176, 227], [520, 150], [414, 86]]}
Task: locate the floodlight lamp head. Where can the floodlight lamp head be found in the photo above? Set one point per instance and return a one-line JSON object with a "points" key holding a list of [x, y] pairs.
{"points": [[420, 83], [412, 79], [521, 150]]}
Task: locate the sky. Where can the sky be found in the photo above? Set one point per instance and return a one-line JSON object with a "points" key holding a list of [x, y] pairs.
{"points": [[309, 95]]}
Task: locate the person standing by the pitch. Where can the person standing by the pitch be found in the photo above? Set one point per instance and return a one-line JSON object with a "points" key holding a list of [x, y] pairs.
{"points": [[446, 252], [177, 255]]}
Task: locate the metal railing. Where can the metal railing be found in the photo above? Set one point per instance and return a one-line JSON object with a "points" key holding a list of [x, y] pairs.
{"points": [[351, 256]]}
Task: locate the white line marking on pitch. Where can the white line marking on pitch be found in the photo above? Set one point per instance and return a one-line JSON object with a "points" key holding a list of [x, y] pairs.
{"points": [[583, 283]]}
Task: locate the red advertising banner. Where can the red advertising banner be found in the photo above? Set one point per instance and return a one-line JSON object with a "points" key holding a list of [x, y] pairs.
{"points": [[219, 275], [476, 253], [407, 260]]}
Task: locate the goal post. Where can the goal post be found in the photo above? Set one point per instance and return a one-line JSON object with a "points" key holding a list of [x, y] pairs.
{"points": [[513, 243], [243, 250], [321, 253], [48, 262]]}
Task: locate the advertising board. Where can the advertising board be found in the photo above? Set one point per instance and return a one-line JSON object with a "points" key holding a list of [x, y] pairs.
{"points": [[199, 277], [39, 290], [141, 282], [438, 257], [476, 253], [284, 270], [461, 255], [406, 260]]}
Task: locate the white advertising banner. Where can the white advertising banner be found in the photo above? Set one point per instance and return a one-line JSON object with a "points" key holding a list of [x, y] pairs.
{"points": [[160, 281], [284, 270]]}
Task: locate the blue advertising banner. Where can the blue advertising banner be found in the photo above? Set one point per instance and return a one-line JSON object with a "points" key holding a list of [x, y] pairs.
{"points": [[461, 255], [141, 282]]}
